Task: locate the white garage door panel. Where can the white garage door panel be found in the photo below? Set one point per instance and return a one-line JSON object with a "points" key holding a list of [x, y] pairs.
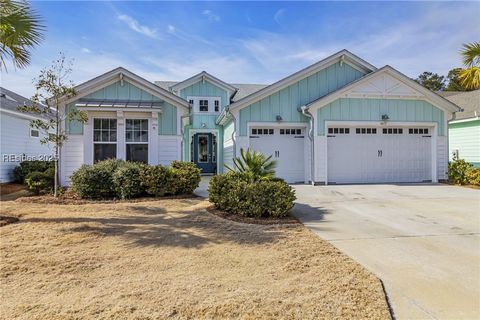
{"points": [[286, 149], [378, 158]]}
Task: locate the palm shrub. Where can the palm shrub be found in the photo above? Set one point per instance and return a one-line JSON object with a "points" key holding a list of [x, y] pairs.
{"points": [[470, 76], [254, 165]]}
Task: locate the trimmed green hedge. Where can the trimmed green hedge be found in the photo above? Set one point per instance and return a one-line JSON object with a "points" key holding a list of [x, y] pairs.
{"points": [[237, 194], [123, 179], [21, 171], [40, 181]]}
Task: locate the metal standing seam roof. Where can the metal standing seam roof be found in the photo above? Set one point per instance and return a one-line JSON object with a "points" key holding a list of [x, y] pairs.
{"points": [[244, 89], [469, 101]]}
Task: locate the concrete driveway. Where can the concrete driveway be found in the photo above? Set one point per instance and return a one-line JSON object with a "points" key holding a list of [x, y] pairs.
{"points": [[422, 240]]}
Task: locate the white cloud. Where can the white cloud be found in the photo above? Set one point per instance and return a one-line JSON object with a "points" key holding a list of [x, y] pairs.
{"points": [[86, 50], [137, 27], [182, 35], [278, 15], [211, 16]]}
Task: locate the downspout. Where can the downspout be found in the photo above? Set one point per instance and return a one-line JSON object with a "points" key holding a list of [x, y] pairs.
{"points": [[304, 110], [234, 139]]}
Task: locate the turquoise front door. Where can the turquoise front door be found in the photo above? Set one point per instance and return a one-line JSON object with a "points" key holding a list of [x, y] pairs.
{"points": [[204, 152]]}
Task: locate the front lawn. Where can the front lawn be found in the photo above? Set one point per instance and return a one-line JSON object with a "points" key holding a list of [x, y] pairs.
{"points": [[171, 258]]}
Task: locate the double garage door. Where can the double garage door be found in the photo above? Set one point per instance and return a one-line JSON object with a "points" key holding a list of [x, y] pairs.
{"points": [[286, 146], [378, 154]]}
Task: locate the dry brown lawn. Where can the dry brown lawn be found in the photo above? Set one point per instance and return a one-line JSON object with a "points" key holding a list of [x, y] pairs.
{"points": [[172, 259]]}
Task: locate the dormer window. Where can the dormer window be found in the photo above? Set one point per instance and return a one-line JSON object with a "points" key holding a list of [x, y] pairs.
{"points": [[203, 104]]}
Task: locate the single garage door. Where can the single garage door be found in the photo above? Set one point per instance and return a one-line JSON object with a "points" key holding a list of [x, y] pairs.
{"points": [[286, 146], [379, 154]]}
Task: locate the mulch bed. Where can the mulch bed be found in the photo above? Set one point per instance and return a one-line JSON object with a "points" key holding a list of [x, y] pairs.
{"points": [[288, 220], [4, 220], [7, 188]]}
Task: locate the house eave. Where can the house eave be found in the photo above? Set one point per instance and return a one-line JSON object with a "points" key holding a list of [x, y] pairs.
{"points": [[204, 76]]}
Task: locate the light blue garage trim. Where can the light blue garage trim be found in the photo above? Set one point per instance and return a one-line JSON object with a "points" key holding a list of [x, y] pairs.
{"points": [[357, 109], [286, 101]]}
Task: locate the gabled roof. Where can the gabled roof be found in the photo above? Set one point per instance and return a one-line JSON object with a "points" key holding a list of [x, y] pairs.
{"points": [[243, 89], [10, 101], [469, 101], [121, 73], [408, 88], [202, 76], [343, 55]]}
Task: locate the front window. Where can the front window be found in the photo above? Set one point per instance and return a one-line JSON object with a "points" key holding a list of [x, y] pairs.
{"points": [[203, 105], [217, 105], [136, 138], [104, 139]]}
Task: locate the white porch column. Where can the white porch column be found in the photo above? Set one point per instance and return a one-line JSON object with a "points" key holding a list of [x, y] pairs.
{"points": [[121, 152], [88, 140], [153, 140]]}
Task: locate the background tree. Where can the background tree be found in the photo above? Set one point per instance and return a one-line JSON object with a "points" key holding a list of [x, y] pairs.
{"points": [[20, 29], [470, 77], [52, 89], [431, 81], [454, 83]]}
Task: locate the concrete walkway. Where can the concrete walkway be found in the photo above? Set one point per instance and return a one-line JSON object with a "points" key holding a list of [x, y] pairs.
{"points": [[202, 190], [421, 240]]}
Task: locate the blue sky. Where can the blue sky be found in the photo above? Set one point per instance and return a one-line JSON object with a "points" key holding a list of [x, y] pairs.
{"points": [[246, 42]]}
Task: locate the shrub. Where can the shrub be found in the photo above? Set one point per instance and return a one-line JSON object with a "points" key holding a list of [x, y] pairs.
{"points": [[254, 164], [237, 194], [157, 180], [472, 175], [186, 177], [457, 170], [39, 181], [126, 180], [96, 181], [21, 171]]}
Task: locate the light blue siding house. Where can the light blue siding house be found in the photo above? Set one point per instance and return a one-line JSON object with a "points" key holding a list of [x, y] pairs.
{"points": [[340, 120]]}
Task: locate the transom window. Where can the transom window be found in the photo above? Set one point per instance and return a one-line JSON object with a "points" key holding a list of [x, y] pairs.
{"points": [[203, 105], [104, 139], [338, 130], [418, 131], [392, 131], [366, 130], [136, 134], [291, 131], [259, 131]]}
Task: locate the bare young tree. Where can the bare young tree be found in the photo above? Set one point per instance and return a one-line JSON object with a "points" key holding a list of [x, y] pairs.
{"points": [[53, 87]]}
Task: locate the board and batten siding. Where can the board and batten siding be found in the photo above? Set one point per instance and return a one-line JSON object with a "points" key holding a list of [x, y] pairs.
{"points": [[286, 102], [167, 119], [205, 89], [465, 137], [15, 140], [228, 144], [360, 109]]}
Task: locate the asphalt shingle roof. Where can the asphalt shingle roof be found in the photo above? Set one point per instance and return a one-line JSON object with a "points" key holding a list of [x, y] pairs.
{"points": [[469, 101], [9, 100]]}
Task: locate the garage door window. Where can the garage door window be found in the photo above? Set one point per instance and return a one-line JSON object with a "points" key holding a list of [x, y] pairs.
{"points": [[418, 131], [259, 131], [291, 131], [339, 130], [392, 131], [366, 130]]}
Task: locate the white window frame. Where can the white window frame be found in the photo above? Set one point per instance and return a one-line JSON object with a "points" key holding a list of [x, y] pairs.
{"points": [[103, 142], [211, 104], [138, 142]]}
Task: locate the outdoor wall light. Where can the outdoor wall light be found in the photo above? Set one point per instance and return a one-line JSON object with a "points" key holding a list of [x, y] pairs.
{"points": [[204, 125], [385, 117], [279, 117]]}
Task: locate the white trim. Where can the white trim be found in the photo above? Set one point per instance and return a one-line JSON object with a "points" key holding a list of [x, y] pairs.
{"points": [[204, 76], [114, 109], [463, 120], [425, 94], [434, 133], [122, 74], [211, 105], [193, 132], [343, 55], [22, 115]]}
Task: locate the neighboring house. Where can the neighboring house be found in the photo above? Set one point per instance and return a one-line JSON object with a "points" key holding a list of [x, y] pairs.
{"points": [[18, 141], [340, 120], [464, 131]]}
